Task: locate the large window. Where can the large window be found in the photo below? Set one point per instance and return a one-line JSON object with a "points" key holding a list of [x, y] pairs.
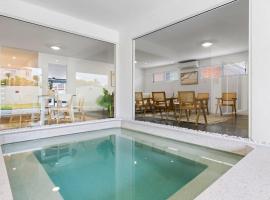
{"points": [[195, 72], [158, 77], [235, 69], [171, 76], [53, 77]]}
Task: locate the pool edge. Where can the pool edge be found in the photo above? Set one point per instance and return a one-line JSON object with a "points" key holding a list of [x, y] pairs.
{"points": [[5, 189], [188, 136]]}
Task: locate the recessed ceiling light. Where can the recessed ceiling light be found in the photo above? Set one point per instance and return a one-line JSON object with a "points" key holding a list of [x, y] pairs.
{"points": [[8, 65], [207, 44], [14, 57], [135, 62], [56, 48]]}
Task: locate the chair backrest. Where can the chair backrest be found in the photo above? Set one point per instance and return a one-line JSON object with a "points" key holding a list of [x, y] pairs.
{"points": [[138, 96], [229, 96], [65, 97], [204, 95], [147, 95], [186, 96], [159, 96]]}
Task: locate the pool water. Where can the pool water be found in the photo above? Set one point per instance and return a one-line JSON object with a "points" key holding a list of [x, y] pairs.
{"points": [[110, 167]]}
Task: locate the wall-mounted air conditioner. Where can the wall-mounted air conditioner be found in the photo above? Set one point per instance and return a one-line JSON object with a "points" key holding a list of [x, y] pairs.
{"points": [[189, 64]]}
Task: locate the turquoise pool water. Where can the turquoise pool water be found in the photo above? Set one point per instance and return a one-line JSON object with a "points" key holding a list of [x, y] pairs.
{"points": [[106, 168]]}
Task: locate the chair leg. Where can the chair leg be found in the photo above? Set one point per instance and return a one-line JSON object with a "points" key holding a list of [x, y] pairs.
{"points": [[187, 112], [204, 115], [160, 110], [180, 116], [144, 111], [234, 110], [174, 113], [198, 116], [220, 110], [167, 114], [141, 109], [217, 108], [20, 121]]}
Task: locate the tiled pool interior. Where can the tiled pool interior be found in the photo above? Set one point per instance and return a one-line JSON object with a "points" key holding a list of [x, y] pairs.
{"points": [[112, 164]]}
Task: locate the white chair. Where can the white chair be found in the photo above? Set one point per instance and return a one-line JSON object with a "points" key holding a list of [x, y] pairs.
{"points": [[64, 112]]}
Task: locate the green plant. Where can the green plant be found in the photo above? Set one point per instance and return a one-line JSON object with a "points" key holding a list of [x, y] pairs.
{"points": [[5, 107], [106, 101]]}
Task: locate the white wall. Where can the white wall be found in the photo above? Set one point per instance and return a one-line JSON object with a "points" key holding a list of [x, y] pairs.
{"points": [[169, 86], [212, 86], [260, 79], [14, 95], [124, 80], [139, 79]]}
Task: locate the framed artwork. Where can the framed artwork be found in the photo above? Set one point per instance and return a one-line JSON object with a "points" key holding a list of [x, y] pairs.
{"points": [[189, 78]]}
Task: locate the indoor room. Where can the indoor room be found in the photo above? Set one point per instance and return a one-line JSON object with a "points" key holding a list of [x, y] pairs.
{"points": [[52, 77], [196, 76]]}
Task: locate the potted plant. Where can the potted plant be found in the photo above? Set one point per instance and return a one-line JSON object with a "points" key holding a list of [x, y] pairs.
{"points": [[106, 101]]}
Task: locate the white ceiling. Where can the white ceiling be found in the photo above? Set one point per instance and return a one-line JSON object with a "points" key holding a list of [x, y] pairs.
{"points": [[19, 34], [113, 14], [226, 27], [10, 57]]}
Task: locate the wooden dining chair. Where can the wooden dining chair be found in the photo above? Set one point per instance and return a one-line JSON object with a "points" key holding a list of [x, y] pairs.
{"points": [[205, 99], [187, 102], [228, 99], [148, 102], [139, 103], [160, 103]]}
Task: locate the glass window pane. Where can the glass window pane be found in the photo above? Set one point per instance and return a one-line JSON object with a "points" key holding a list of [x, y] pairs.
{"points": [[200, 64], [210, 72], [53, 77], [171, 76], [235, 69], [157, 77]]}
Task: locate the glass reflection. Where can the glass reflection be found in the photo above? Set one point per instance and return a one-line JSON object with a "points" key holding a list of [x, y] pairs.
{"points": [[194, 74], [52, 77]]}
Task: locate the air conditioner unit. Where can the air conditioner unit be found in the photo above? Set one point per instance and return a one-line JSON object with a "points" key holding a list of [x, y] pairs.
{"points": [[189, 64]]}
